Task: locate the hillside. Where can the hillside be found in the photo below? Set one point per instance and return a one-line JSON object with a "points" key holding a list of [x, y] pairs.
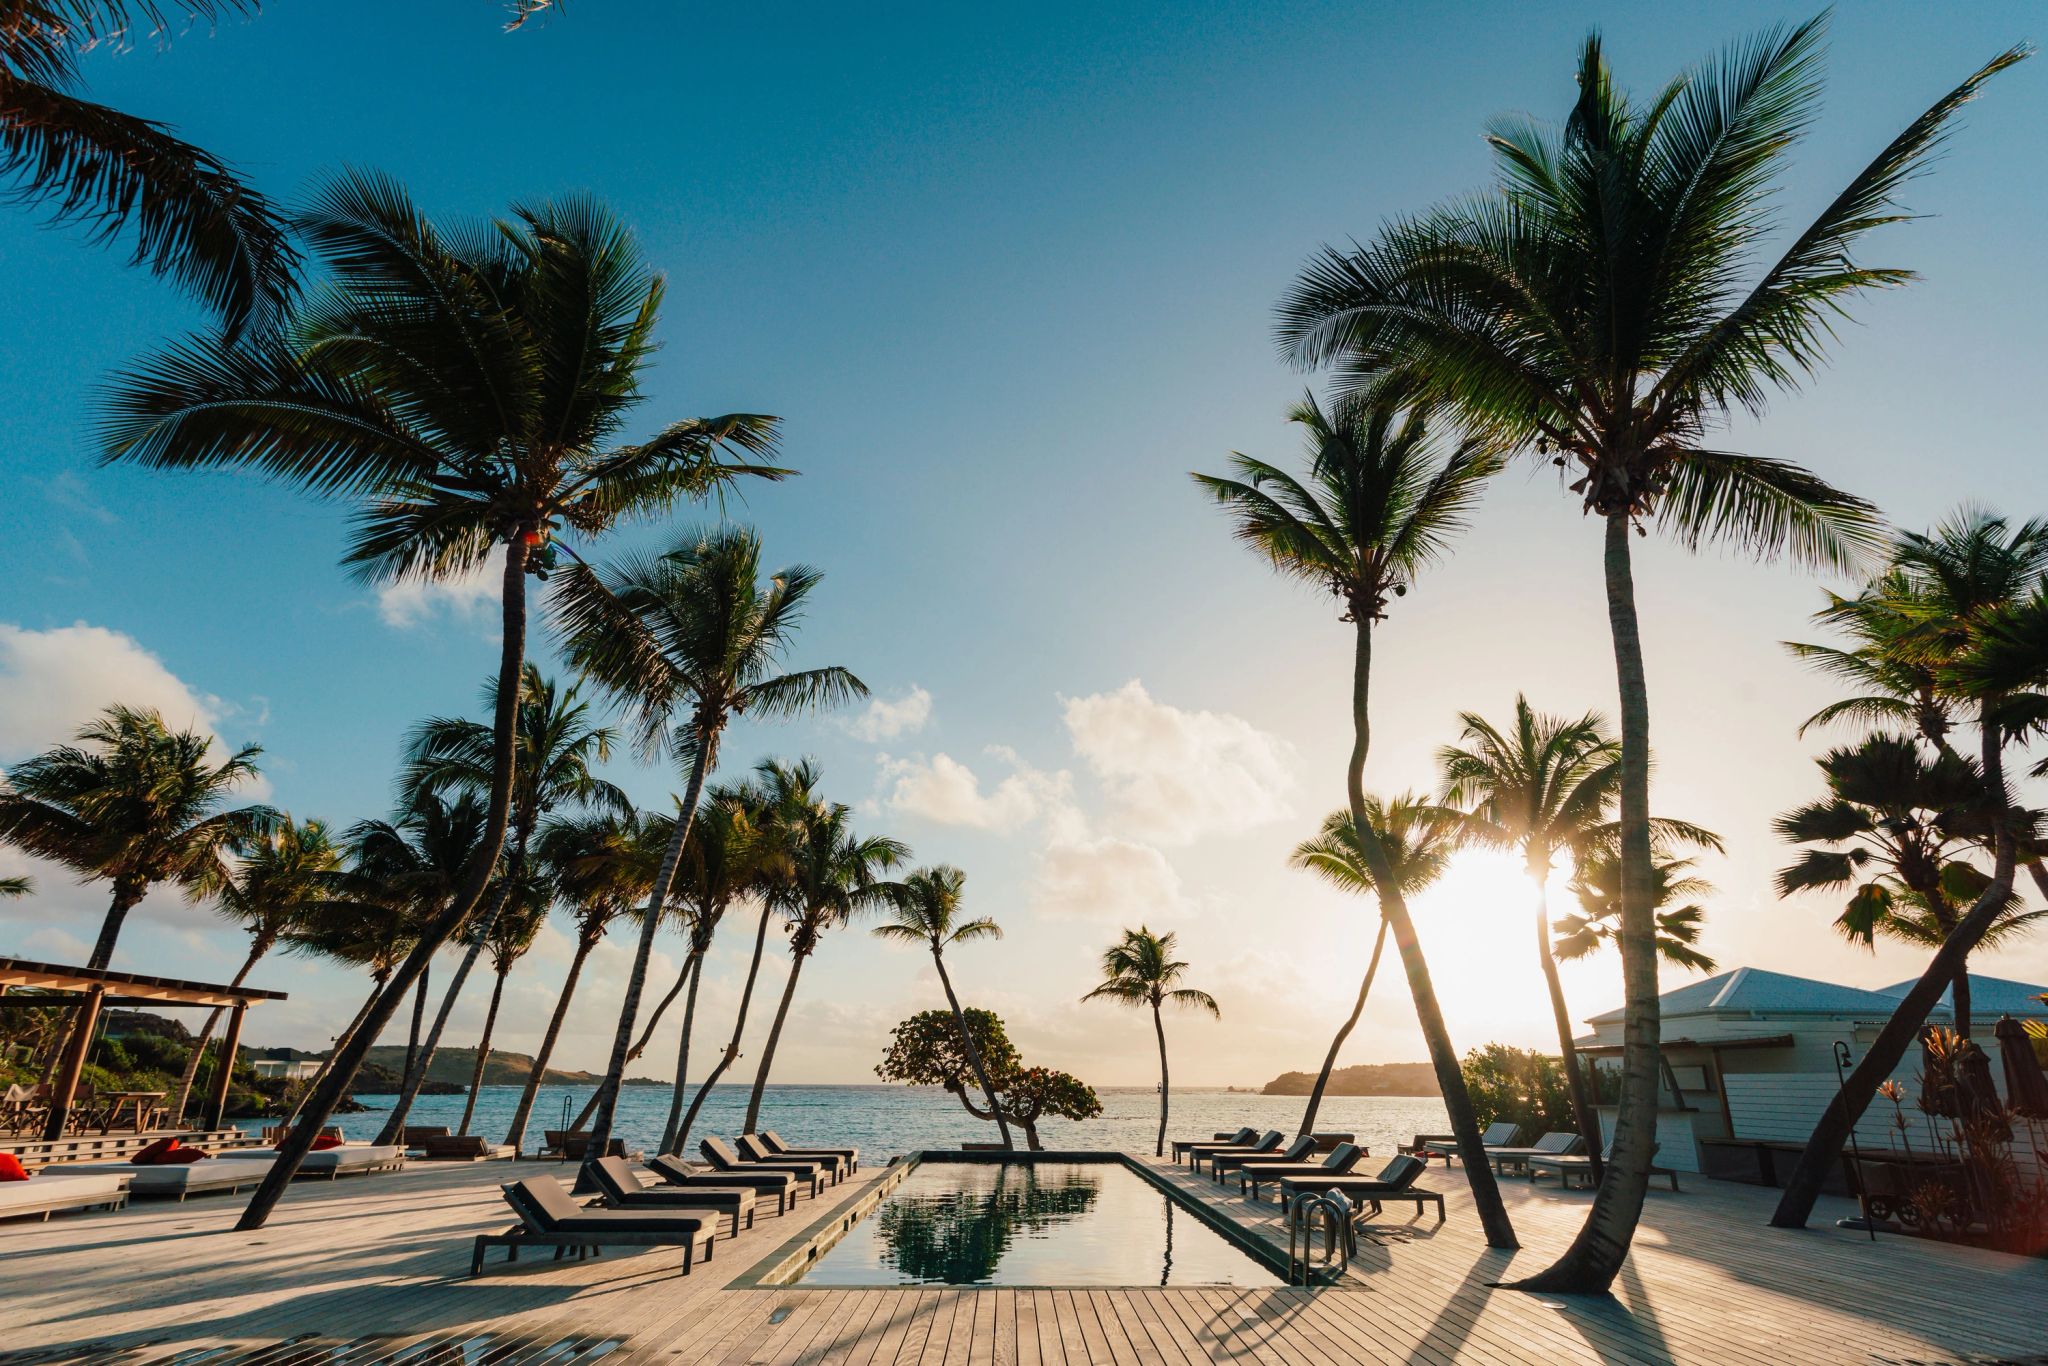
{"points": [[450, 1069], [1366, 1079]]}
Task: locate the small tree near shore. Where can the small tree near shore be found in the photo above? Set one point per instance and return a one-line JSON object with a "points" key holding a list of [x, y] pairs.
{"points": [[926, 1050]]}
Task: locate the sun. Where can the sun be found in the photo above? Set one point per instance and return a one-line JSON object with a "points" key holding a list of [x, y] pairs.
{"points": [[1477, 924]]}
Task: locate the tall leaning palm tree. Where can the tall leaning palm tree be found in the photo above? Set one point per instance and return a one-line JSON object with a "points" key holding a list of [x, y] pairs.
{"points": [[830, 874], [136, 804], [193, 220], [1139, 970], [281, 880], [510, 935], [469, 392], [688, 640], [1382, 500], [924, 909], [555, 753], [1605, 304], [1417, 837]]}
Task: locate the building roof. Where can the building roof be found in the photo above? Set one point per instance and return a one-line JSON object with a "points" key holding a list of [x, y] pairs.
{"points": [[128, 988], [1990, 997]]}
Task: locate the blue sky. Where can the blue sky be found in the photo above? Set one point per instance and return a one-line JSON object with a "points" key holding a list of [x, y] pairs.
{"points": [[1007, 277]]}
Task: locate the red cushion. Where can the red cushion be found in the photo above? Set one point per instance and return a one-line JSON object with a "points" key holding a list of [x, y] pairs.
{"points": [[154, 1153], [324, 1142], [11, 1168], [183, 1155]]}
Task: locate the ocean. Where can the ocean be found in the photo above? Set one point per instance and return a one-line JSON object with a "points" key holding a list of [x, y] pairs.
{"points": [[885, 1120]]}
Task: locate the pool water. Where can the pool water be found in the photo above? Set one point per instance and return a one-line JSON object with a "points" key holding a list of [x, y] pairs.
{"points": [[1036, 1224]]}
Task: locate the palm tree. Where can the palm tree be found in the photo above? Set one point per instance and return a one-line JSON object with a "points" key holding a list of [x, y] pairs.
{"points": [[195, 222], [1894, 831], [137, 804], [12, 887], [1140, 970], [1596, 884], [602, 866], [829, 875], [468, 391], [1418, 837], [687, 640], [280, 881], [1382, 500], [371, 934], [555, 749], [1604, 305], [925, 910], [523, 912]]}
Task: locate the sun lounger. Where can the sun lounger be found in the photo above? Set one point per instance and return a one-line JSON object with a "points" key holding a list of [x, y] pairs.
{"points": [[726, 1160], [1501, 1135], [1578, 1168], [416, 1136], [550, 1217], [352, 1159], [1342, 1161], [54, 1191], [1267, 1142], [622, 1189], [1553, 1144], [1419, 1145], [1242, 1136], [1326, 1142], [773, 1142], [446, 1147], [675, 1173], [1396, 1181], [753, 1149], [1295, 1152]]}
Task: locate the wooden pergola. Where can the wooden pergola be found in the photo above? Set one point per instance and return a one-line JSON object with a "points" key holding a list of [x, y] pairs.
{"points": [[90, 990]]}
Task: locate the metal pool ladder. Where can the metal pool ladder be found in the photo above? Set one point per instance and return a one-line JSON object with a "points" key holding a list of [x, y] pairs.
{"points": [[1306, 1213]]}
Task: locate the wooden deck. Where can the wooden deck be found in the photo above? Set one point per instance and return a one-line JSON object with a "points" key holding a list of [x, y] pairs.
{"points": [[374, 1269]]}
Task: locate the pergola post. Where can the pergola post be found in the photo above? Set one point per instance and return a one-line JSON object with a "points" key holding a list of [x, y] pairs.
{"points": [[75, 1048], [224, 1070]]}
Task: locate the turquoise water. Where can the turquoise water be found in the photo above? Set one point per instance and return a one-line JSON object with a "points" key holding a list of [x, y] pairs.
{"points": [[884, 1120], [1032, 1223]]}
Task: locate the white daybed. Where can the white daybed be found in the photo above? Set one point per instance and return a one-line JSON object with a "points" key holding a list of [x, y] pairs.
{"points": [[47, 1193], [245, 1168]]}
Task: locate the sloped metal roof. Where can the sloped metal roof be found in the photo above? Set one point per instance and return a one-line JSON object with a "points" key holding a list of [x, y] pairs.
{"points": [[1755, 990], [1990, 997]]}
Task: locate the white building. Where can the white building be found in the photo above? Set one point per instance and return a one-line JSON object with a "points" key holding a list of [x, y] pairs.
{"points": [[302, 1070], [1749, 1064]]}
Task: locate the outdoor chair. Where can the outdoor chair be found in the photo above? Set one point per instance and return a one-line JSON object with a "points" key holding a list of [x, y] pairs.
{"points": [[447, 1147], [837, 1166], [1577, 1168], [1396, 1181], [621, 1189], [724, 1159], [773, 1142], [1342, 1161], [1181, 1146], [1501, 1135], [1297, 1151], [675, 1172], [1267, 1142], [1553, 1144], [550, 1217]]}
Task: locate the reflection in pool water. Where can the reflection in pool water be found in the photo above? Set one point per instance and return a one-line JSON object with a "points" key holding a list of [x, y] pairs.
{"points": [[1038, 1223]]}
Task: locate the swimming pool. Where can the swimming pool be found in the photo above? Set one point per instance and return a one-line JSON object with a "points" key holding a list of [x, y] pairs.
{"points": [[1045, 1223]]}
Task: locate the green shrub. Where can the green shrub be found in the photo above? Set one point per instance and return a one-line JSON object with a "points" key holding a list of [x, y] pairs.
{"points": [[1520, 1085]]}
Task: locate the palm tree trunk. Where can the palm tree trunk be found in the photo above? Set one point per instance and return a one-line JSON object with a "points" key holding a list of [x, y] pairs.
{"points": [[973, 1053], [480, 933], [675, 1100], [1568, 1052], [516, 1135], [1159, 1028], [257, 948], [504, 725], [661, 1007], [739, 1025], [1493, 1215], [483, 1049], [126, 894], [327, 1063], [412, 1042], [636, 982], [1959, 998], [1315, 1097], [796, 968], [1591, 1263], [1900, 1032]]}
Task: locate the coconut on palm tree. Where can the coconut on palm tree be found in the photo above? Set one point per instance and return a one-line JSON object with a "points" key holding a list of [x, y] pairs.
{"points": [[1621, 287], [511, 934], [281, 880], [1418, 837], [469, 392], [687, 640], [1382, 499], [554, 754], [192, 219], [827, 875], [924, 909], [1140, 971], [135, 804]]}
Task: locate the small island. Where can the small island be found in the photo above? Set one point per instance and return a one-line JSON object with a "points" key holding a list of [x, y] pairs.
{"points": [[1366, 1079]]}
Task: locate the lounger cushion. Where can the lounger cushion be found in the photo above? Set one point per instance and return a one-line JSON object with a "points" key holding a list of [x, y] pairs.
{"points": [[179, 1156], [324, 1142], [11, 1168], [558, 1210], [154, 1153]]}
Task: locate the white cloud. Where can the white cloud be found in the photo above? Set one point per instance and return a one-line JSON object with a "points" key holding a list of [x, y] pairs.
{"points": [[886, 720], [944, 790], [1175, 775], [52, 682], [1109, 880], [466, 597]]}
